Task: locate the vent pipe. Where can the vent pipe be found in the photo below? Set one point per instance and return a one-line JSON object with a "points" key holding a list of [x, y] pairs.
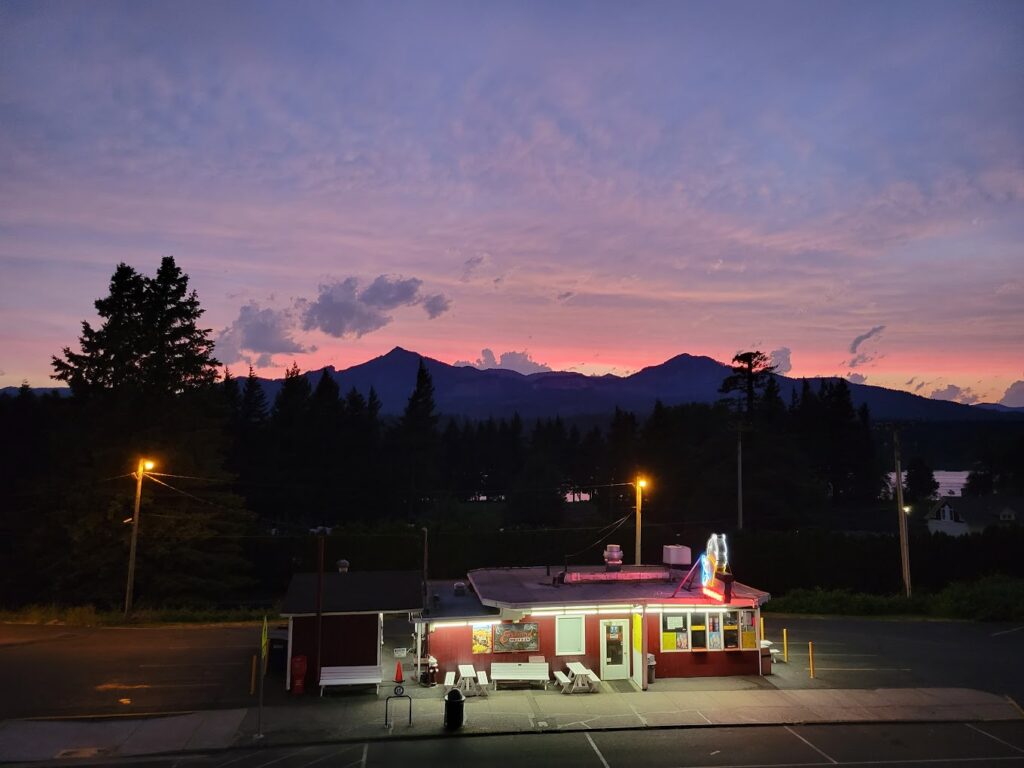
{"points": [[342, 566], [613, 557]]}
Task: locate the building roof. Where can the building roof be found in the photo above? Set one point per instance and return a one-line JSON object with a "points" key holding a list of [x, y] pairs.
{"points": [[444, 604], [355, 592], [540, 586], [979, 512]]}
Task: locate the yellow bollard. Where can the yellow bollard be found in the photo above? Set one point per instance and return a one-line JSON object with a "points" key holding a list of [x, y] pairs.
{"points": [[762, 629], [252, 677], [785, 645], [810, 653]]}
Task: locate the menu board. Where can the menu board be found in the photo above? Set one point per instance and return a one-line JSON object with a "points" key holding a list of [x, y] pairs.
{"points": [[511, 638]]}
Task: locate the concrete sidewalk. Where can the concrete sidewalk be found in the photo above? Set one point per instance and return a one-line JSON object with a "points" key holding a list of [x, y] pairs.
{"points": [[354, 716]]}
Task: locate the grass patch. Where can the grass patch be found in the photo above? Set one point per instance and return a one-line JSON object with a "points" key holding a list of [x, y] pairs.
{"points": [[994, 598]]}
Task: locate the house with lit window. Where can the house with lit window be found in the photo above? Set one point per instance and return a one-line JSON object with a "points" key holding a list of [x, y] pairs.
{"points": [[691, 619], [960, 515]]}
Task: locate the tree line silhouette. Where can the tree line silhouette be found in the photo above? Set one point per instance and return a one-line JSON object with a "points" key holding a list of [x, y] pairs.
{"points": [[241, 483]]}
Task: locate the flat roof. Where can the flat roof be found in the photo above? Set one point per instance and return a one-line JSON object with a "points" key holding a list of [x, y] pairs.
{"points": [[355, 592], [449, 605], [539, 586]]}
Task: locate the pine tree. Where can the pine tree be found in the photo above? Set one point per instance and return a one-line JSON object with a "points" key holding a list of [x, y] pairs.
{"points": [[751, 372], [149, 341]]}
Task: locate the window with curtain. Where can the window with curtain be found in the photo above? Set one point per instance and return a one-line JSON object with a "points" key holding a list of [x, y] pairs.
{"points": [[570, 635]]}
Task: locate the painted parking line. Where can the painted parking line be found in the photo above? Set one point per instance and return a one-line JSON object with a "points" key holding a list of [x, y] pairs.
{"points": [[858, 669], [331, 755], [816, 749], [598, 751], [1006, 631], [282, 757], [994, 738]]}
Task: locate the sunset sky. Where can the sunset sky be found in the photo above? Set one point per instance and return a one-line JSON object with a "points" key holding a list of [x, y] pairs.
{"points": [[584, 186]]}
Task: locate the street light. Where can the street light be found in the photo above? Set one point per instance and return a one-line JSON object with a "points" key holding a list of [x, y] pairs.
{"points": [[144, 466], [639, 485]]}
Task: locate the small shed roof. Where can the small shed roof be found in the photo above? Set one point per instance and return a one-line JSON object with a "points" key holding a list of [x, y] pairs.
{"points": [[355, 592], [534, 587], [444, 604]]}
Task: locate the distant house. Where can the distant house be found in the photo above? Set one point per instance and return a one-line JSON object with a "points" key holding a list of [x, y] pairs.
{"points": [[960, 515]]}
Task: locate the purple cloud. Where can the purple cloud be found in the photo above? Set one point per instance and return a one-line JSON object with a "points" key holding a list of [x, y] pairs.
{"points": [[342, 310], [1014, 395], [520, 362], [261, 331], [781, 360], [857, 378], [956, 394]]}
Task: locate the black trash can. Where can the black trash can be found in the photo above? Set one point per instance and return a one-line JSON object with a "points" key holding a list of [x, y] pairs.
{"points": [[651, 663], [454, 709]]}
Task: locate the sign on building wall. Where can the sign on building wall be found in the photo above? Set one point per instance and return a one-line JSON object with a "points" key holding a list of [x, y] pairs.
{"points": [[510, 638], [482, 638]]}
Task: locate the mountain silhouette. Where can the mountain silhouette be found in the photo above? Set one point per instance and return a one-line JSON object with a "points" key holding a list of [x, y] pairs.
{"points": [[475, 393]]}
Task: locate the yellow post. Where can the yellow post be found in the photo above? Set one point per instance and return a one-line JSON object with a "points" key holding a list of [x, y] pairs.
{"points": [[785, 645], [252, 677], [810, 653], [762, 628]]}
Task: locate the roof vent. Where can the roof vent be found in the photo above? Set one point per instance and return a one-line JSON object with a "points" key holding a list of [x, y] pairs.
{"points": [[613, 557], [676, 554], [460, 588], [342, 566]]}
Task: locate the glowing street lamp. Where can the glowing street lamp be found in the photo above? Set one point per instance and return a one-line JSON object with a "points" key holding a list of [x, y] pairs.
{"points": [[144, 466], [639, 485]]}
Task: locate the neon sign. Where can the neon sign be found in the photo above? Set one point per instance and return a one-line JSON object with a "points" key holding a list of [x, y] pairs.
{"points": [[714, 569]]}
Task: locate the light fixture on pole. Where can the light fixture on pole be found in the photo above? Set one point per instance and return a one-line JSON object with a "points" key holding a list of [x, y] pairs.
{"points": [[639, 485], [144, 466]]}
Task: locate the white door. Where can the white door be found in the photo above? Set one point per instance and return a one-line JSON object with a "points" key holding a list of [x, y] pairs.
{"points": [[615, 649]]}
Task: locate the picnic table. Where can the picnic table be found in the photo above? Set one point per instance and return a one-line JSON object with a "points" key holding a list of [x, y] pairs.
{"points": [[580, 679], [471, 682], [520, 672]]}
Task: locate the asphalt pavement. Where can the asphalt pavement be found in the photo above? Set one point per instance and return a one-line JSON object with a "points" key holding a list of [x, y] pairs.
{"points": [[121, 692]]}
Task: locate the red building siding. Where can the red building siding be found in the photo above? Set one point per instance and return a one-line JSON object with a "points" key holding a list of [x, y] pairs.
{"points": [[347, 641], [452, 646]]}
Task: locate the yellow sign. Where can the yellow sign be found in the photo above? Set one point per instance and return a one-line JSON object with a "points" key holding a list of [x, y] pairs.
{"points": [[638, 629], [263, 640]]}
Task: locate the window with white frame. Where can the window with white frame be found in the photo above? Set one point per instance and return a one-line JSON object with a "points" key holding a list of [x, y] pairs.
{"points": [[570, 635]]}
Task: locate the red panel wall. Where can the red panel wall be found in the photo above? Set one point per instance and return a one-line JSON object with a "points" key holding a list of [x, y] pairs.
{"points": [[347, 641], [452, 646], [697, 663]]}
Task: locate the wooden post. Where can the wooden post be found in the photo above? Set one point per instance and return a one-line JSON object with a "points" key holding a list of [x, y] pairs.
{"points": [[810, 654], [785, 645]]}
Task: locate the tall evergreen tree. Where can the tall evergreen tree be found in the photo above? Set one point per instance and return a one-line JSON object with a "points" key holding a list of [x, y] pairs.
{"points": [[149, 340], [751, 372]]}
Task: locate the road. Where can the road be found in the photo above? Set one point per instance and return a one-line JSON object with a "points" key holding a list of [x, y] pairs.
{"points": [[66, 671], [947, 744], [875, 653]]}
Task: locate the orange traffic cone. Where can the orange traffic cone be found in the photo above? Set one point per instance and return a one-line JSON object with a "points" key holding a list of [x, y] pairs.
{"points": [[398, 672]]}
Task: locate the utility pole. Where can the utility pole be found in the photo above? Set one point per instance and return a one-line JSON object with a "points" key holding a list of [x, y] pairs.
{"points": [[139, 474], [902, 512], [739, 478], [639, 484], [426, 533], [319, 600]]}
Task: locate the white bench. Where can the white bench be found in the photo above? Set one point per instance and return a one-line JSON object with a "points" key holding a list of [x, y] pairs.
{"points": [[369, 675], [563, 680], [519, 672]]}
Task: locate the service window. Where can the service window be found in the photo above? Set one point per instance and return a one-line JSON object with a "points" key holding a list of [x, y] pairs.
{"points": [[570, 635], [731, 629], [714, 631], [699, 631], [748, 634], [675, 632]]}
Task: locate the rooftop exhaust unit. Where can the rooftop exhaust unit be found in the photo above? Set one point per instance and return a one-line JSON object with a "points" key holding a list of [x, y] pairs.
{"points": [[676, 555], [460, 588], [613, 558], [342, 566]]}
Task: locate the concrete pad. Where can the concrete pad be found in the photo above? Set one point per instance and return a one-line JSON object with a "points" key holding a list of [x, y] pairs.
{"points": [[45, 740]]}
